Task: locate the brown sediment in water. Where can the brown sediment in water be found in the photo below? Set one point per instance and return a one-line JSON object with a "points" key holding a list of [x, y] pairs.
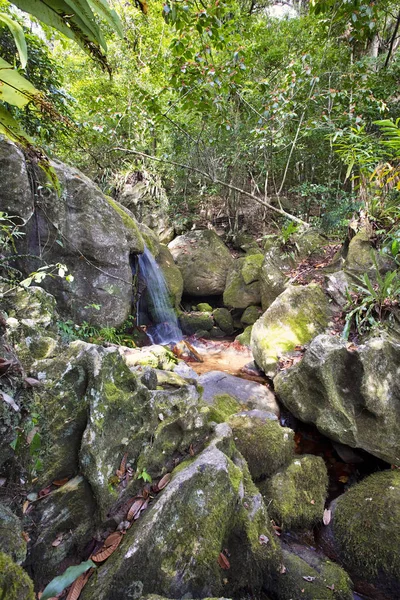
{"points": [[225, 356]]}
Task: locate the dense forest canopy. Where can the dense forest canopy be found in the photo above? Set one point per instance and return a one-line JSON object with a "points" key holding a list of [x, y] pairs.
{"points": [[280, 109]]}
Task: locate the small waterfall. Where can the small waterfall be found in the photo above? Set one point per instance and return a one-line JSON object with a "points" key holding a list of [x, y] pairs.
{"points": [[154, 301]]}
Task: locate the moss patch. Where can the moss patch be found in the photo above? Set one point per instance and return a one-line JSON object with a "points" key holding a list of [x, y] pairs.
{"points": [[266, 446], [129, 223], [223, 407], [296, 495], [14, 582]]}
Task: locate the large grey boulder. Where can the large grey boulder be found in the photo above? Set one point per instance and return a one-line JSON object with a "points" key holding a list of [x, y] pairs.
{"points": [[217, 386], [294, 318], [352, 396], [11, 540], [80, 229], [204, 261], [173, 549], [274, 275], [243, 282], [172, 275]]}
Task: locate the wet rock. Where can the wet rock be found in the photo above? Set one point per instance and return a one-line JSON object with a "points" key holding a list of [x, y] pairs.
{"points": [[224, 320], [296, 495], [242, 284], [60, 526], [265, 445], [251, 315], [216, 333], [244, 392], [14, 582], [304, 574], [244, 338], [204, 261], [173, 549], [151, 239], [195, 321], [352, 396], [364, 534], [11, 540], [294, 318], [155, 356]]}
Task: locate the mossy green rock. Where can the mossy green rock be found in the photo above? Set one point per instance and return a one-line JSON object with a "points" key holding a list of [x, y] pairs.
{"points": [[172, 275], [195, 321], [296, 495], [308, 242], [133, 234], [364, 533], [294, 318], [204, 307], [309, 576], [242, 283], [11, 540], [274, 274], [67, 514], [224, 320], [150, 238], [173, 548], [352, 396], [244, 338], [14, 582], [251, 315], [265, 445], [155, 356], [203, 260]]}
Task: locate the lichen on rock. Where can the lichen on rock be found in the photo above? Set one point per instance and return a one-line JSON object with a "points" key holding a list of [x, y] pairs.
{"points": [[14, 582]]}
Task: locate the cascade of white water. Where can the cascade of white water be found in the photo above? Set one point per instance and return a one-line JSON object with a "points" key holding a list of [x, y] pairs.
{"points": [[164, 328]]}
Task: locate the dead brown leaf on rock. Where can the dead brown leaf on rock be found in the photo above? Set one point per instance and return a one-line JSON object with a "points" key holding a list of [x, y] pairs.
{"points": [[282, 569], [308, 578], [78, 585], [263, 539], [60, 482], [223, 561], [164, 481], [327, 516], [135, 508], [111, 543], [58, 540]]}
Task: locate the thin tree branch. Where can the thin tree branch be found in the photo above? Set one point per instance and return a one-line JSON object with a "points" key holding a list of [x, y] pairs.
{"points": [[392, 41], [214, 180]]}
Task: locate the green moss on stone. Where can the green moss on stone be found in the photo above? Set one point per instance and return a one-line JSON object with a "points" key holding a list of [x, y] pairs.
{"points": [[204, 307], [265, 445], [244, 338], [14, 582], [251, 267], [296, 495], [366, 525], [251, 315], [11, 540], [129, 222], [223, 407], [224, 320], [195, 321]]}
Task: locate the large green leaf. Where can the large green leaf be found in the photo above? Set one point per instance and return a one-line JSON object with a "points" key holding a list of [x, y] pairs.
{"points": [[60, 583], [19, 37], [82, 10], [15, 89], [12, 129], [108, 14]]}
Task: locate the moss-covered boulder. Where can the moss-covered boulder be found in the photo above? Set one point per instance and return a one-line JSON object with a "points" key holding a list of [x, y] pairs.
{"points": [[133, 235], [150, 239], [362, 257], [264, 443], [11, 540], [203, 260], [155, 356], [251, 315], [195, 321], [173, 549], [244, 338], [296, 495], [60, 526], [172, 275], [204, 307], [294, 318], [274, 274], [224, 320], [246, 393], [243, 282], [14, 582], [306, 575], [352, 396], [364, 534], [308, 242]]}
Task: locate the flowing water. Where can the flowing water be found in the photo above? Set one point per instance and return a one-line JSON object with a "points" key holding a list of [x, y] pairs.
{"points": [[155, 308]]}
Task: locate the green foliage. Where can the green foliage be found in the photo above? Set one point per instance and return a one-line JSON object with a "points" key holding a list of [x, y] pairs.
{"points": [[371, 303], [27, 445], [60, 583], [145, 476], [70, 331]]}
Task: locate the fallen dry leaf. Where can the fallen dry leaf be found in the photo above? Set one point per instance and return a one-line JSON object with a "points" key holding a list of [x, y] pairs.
{"points": [[58, 540], [312, 501], [10, 401], [344, 478], [135, 509], [327, 516], [122, 468], [60, 482], [44, 492], [78, 585], [223, 561], [263, 539], [26, 537], [2, 481], [110, 545], [25, 506], [331, 587], [282, 569], [308, 578], [31, 381], [164, 481]]}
